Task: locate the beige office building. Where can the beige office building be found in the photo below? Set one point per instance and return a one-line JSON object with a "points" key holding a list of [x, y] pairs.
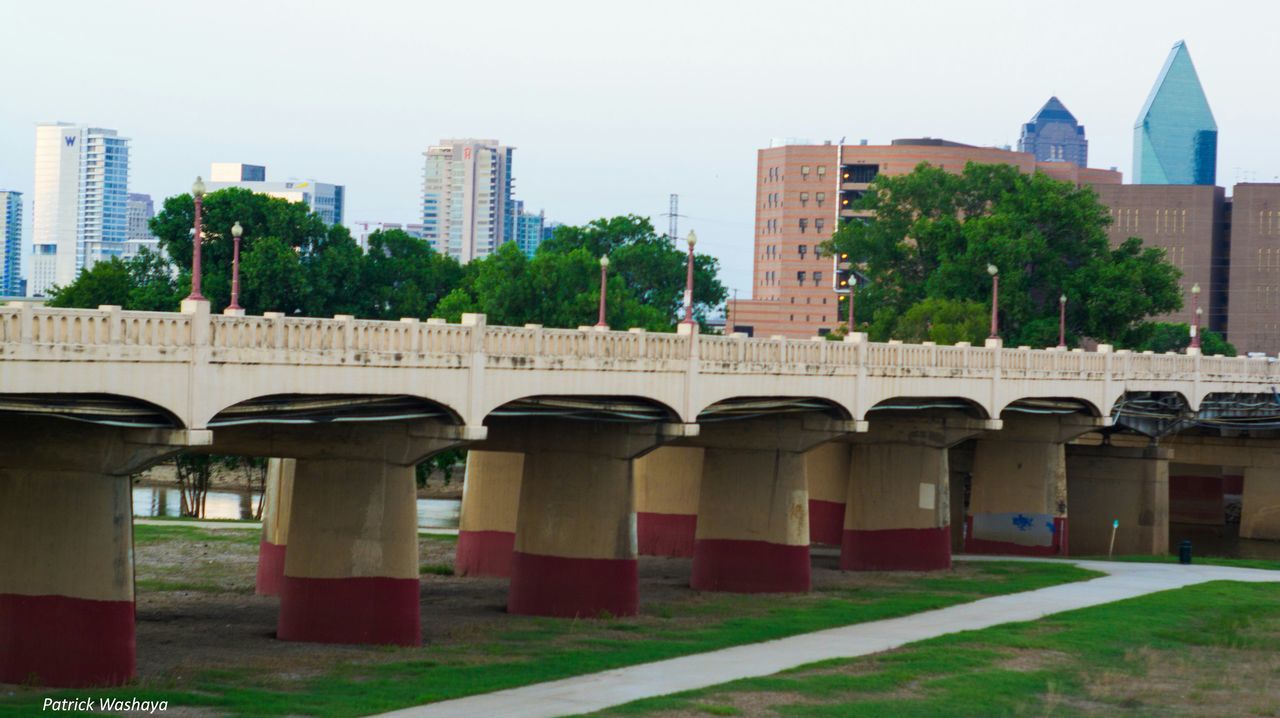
{"points": [[468, 208]]}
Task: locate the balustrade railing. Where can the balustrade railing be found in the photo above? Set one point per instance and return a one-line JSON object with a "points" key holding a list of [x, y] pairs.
{"points": [[41, 326]]}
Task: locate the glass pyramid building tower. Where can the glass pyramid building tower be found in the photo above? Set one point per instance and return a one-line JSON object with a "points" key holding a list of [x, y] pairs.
{"points": [[1175, 140]]}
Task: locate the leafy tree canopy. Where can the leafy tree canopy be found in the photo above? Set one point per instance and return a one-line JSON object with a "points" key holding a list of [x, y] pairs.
{"points": [[143, 283], [1161, 337], [933, 233], [560, 285]]}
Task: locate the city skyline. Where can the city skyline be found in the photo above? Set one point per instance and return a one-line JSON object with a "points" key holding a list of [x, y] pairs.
{"points": [[700, 144]]}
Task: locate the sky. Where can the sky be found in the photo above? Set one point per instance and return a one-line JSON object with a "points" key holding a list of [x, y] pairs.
{"points": [[612, 107]]}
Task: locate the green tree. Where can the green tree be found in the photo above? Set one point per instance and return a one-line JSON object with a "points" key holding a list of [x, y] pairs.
{"points": [[1161, 337], [402, 276], [143, 282], [933, 233], [945, 321], [273, 277]]}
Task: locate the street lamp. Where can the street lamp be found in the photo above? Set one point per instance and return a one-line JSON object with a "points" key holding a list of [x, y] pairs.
{"points": [[1195, 312], [853, 287], [995, 299], [604, 273], [197, 193], [692, 239], [1062, 321], [236, 232]]}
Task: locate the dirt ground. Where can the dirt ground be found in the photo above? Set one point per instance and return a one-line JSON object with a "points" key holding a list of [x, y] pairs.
{"points": [[197, 610]]}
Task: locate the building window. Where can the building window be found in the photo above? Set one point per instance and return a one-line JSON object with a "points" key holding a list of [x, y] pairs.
{"points": [[817, 251], [822, 170], [804, 171], [800, 278], [804, 199], [818, 223], [820, 197], [817, 282], [803, 248], [804, 224]]}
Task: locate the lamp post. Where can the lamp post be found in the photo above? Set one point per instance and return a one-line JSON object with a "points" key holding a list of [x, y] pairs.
{"points": [[197, 193], [1062, 321], [1195, 311], [995, 300], [236, 232], [604, 273], [853, 288], [692, 239]]}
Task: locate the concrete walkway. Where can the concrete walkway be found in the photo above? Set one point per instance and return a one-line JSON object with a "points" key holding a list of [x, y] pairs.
{"points": [[216, 525], [584, 694]]}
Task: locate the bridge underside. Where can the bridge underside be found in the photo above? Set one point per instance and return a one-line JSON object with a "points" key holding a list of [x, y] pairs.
{"points": [[563, 493]]}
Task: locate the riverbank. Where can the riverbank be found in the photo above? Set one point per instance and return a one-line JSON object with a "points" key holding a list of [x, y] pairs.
{"points": [[241, 479]]}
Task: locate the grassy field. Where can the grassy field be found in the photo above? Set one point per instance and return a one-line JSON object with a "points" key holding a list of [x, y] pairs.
{"points": [[483, 650], [1208, 650]]}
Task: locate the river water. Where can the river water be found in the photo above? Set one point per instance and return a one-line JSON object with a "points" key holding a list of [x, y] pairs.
{"points": [[156, 501]]}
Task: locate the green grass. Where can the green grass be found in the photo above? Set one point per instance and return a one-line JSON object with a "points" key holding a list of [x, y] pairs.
{"points": [[150, 534], [1262, 563], [1213, 648], [244, 523], [447, 538], [524, 650], [439, 569]]}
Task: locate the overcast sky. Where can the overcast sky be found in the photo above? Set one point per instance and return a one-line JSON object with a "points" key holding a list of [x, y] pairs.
{"points": [[612, 107]]}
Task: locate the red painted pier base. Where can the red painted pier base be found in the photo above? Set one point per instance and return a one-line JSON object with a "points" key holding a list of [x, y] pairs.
{"points": [[485, 553], [375, 610], [926, 549], [490, 502], [666, 534], [351, 571], [1059, 546], [750, 567], [270, 576], [573, 587], [66, 642], [826, 521]]}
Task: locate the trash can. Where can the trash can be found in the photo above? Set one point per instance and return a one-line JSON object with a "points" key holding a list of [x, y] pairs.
{"points": [[1184, 552]]}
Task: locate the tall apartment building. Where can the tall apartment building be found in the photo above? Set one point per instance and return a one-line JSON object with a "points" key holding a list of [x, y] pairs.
{"points": [[79, 204], [10, 243], [325, 199], [803, 192], [528, 234], [468, 204], [1175, 139], [1252, 228], [1053, 135], [139, 210]]}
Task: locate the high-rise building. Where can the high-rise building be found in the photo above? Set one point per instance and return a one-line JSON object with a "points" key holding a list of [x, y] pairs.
{"points": [[1175, 140], [10, 243], [468, 205], [79, 203], [139, 210], [528, 229], [1253, 289], [326, 200], [549, 229], [804, 191], [1053, 135]]}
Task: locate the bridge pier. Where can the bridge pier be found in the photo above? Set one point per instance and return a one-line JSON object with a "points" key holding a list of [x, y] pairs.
{"points": [[897, 516], [753, 508], [1196, 494], [668, 481], [1018, 491], [1110, 483], [66, 571], [575, 547], [1260, 503], [826, 470], [490, 502], [351, 572], [277, 503]]}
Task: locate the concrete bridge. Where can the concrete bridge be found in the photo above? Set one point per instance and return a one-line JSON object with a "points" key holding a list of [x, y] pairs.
{"points": [[588, 446]]}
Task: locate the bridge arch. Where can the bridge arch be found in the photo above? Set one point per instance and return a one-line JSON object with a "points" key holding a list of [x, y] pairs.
{"points": [[620, 408], [119, 410], [972, 407], [326, 408], [739, 407], [1052, 405]]}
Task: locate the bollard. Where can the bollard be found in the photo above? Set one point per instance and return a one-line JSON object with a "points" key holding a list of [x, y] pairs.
{"points": [[1184, 552]]}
